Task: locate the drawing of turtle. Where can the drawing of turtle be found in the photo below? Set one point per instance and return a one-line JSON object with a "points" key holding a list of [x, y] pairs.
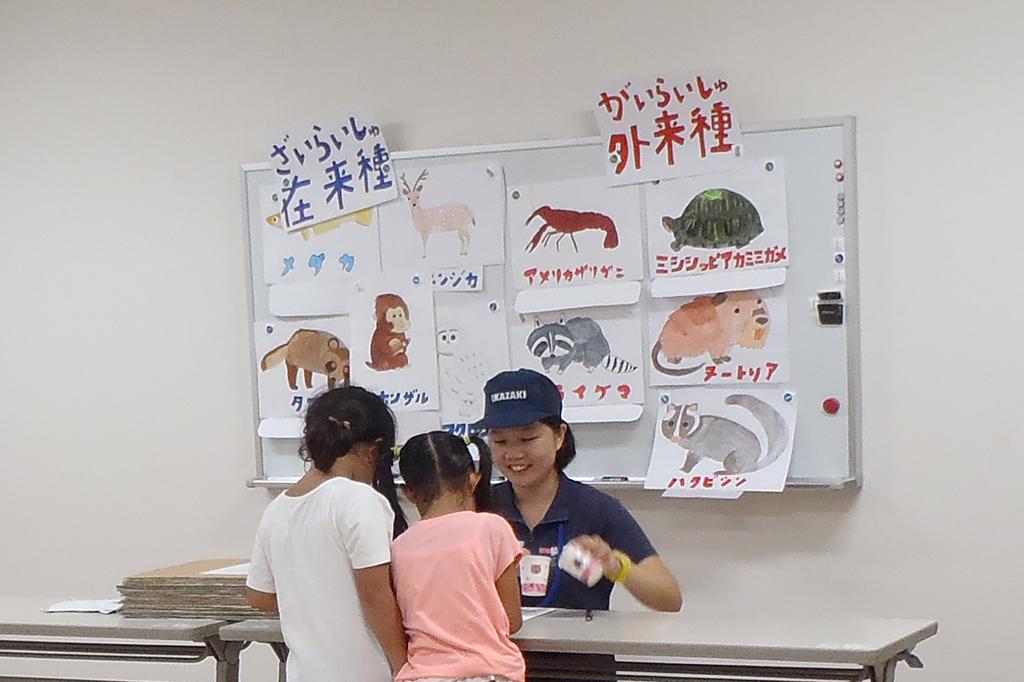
{"points": [[714, 219]]}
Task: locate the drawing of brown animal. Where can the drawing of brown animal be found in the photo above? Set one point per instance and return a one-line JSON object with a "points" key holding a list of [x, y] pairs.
{"points": [[314, 352], [562, 221], [452, 217], [389, 343], [712, 325]]}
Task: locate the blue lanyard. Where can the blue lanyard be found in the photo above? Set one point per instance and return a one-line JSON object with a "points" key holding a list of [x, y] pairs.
{"points": [[553, 592]]}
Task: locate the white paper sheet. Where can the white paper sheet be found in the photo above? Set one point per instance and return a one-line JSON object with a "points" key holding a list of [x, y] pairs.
{"points": [[342, 249], [733, 222], [452, 216], [531, 612], [311, 299], [394, 349], [574, 232], [669, 287], [667, 124], [472, 346], [583, 296], [329, 169], [237, 569], [738, 337], [297, 360], [595, 355], [106, 606], [715, 441]]}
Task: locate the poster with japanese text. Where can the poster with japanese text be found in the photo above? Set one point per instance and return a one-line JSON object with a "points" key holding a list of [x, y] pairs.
{"points": [[394, 351], [472, 346], [728, 222], [448, 215], [574, 232], [711, 442], [667, 126], [297, 360], [734, 337], [331, 170], [344, 248], [594, 355]]}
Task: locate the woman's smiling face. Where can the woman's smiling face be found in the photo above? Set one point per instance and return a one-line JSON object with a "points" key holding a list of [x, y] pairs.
{"points": [[526, 454]]}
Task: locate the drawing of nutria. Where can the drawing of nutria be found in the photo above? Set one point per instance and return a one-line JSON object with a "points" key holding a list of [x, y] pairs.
{"points": [[712, 325]]}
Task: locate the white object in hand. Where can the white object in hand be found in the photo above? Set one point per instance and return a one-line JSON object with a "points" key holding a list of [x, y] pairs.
{"points": [[581, 564]]}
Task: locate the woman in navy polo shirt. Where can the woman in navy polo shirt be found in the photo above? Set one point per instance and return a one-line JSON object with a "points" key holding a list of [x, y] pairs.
{"points": [[532, 446]]}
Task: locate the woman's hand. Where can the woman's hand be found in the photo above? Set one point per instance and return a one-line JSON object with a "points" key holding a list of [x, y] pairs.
{"points": [[602, 552], [649, 581]]}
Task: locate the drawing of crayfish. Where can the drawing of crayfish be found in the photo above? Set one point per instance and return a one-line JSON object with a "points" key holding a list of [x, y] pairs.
{"points": [[562, 221]]}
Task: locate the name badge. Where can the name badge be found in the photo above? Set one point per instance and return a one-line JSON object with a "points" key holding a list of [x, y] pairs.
{"points": [[533, 575]]}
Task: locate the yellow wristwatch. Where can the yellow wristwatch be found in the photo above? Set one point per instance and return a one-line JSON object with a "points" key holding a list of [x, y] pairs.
{"points": [[626, 565]]}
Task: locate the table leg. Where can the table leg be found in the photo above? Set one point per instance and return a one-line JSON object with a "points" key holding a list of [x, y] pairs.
{"points": [[227, 655], [282, 660], [884, 672]]}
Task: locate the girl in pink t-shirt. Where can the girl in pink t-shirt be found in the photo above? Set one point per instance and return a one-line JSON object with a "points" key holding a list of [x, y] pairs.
{"points": [[456, 571]]}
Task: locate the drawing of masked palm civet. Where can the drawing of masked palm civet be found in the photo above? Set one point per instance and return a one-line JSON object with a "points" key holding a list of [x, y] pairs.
{"points": [[444, 218], [711, 325], [462, 372], [578, 339], [706, 436], [562, 221]]}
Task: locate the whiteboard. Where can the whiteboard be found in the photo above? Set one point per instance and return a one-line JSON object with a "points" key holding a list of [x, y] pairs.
{"points": [[820, 164]]}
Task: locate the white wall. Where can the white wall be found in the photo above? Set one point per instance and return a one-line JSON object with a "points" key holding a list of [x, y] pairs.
{"points": [[125, 401]]}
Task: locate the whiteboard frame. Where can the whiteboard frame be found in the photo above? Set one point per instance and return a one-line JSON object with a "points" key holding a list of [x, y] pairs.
{"points": [[851, 293]]}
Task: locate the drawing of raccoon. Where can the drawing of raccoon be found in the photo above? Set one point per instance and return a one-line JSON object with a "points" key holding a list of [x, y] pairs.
{"points": [[579, 339]]}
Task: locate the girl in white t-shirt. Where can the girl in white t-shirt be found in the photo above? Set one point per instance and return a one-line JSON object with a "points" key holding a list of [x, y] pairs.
{"points": [[322, 556]]}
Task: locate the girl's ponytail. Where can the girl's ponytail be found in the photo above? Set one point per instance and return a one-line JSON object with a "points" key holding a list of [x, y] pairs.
{"points": [[384, 482], [437, 461], [482, 494]]}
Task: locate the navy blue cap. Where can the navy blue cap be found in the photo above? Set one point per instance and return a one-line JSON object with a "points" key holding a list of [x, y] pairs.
{"points": [[519, 398]]}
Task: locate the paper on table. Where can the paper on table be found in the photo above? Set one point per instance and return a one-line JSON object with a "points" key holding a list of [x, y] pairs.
{"points": [[531, 612], [237, 569], [86, 606]]}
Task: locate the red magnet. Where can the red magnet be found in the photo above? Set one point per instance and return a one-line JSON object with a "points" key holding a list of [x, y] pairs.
{"points": [[830, 405]]}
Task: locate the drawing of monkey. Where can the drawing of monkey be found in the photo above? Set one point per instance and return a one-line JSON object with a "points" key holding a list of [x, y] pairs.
{"points": [[389, 343]]}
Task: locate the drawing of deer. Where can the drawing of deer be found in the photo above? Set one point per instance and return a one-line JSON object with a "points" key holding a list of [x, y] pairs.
{"points": [[452, 217]]}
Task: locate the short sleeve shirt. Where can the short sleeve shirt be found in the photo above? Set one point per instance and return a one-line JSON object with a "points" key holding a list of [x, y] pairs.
{"points": [[578, 509], [306, 551], [445, 571]]}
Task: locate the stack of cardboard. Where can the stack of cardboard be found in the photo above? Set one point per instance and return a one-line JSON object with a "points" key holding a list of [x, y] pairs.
{"points": [[199, 589]]}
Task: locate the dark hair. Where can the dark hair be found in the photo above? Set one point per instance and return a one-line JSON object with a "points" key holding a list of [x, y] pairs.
{"points": [[343, 417], [567, 453], [433, 462]]}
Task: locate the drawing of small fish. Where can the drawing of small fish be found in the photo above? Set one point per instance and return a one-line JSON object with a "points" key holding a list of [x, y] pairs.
{"points": [[363, 217]]}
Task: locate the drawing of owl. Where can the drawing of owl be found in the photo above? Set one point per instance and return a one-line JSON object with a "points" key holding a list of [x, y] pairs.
{"points": [[463, 373]]}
